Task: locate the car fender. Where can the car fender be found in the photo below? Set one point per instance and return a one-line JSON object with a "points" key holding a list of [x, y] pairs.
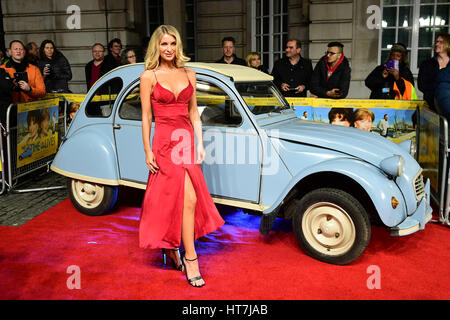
{"points": [[89, 154], [375, 183]]}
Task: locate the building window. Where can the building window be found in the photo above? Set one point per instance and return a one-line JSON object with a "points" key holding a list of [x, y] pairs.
{"points": [[415, 23], [191, 13], [269, 29], [154, 14]]}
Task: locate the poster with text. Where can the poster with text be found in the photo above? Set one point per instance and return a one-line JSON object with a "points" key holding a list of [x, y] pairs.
{"points": [[37, 130]]}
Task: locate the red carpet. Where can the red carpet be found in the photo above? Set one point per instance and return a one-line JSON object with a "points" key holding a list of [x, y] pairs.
{"points": [[236, 262]]}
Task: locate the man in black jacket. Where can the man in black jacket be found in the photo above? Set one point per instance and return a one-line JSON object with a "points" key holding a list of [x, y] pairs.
{"points": [[292, 74], [229, 55], [332, 74], [112, 59], [97, 67]]}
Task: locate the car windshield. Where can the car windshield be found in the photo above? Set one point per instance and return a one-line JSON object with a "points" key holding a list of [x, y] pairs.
{"points": [[262, 97]]}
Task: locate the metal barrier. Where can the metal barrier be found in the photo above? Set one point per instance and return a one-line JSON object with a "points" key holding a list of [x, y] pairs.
{"points": [[13, 171], [444, 207], [2, 159]]}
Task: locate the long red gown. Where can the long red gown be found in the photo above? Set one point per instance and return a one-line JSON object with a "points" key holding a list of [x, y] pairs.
{"points": [[174, 150]]}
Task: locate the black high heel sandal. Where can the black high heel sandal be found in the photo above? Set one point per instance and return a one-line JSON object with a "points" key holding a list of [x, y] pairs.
{"points": [[179, 267], [192, 280]]}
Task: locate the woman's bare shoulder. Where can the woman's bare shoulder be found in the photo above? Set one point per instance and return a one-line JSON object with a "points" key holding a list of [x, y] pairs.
{"points": [[148, 75], [190, 72]]}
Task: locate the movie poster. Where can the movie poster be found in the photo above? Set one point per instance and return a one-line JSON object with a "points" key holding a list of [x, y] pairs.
{"points": [[37, 132], [396, 122]]}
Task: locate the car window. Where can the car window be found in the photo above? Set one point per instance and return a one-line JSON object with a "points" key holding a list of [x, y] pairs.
{"points": [[262, 97], [216, 108], [131, 108], [102, 101]]}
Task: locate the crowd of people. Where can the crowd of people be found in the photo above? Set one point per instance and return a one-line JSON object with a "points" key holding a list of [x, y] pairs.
{"points": [[28, 72]]}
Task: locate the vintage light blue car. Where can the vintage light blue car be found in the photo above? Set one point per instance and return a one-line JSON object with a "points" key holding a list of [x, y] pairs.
{"points": [[332, 181]]}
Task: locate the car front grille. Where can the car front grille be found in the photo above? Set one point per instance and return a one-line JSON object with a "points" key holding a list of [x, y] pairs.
{"points": [[419, 187]]}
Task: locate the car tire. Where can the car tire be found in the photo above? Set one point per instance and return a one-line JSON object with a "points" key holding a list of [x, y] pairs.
{"points": [[90, 198], [331, 226]]}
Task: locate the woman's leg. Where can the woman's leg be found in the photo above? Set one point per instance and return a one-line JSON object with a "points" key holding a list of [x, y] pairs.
{"points": [[187, 231]]}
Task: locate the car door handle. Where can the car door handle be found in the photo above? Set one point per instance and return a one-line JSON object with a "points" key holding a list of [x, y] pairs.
{"points": [[117, 126]]}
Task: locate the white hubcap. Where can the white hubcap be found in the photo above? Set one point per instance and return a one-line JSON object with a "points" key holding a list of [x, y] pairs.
{"points": [[87, 194], [328, 228]]}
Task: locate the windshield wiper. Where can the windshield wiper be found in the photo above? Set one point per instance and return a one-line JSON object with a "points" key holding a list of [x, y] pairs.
{"points": [[280, 108]]}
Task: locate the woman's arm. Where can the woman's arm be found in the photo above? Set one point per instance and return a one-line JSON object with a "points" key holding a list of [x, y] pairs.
{"points": [[194, 117], [146, 88]]}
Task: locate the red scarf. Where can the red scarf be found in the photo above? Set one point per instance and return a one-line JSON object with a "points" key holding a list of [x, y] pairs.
{"points": [[330, 70]]}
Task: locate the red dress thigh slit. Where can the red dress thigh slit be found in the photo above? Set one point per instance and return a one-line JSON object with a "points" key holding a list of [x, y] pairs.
{"points": [[173, 146]]}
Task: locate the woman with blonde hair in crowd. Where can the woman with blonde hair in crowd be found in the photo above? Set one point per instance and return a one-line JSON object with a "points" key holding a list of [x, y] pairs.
{"points": [[253, 60], [177, 207]]}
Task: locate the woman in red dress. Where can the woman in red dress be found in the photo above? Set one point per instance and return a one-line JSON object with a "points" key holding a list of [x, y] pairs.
{"points": [[177, 206]]}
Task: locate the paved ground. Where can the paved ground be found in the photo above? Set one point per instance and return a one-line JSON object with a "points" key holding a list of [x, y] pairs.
{"points": [[18, 208]]}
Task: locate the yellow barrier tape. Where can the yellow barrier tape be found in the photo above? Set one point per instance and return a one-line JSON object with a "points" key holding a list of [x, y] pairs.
{"points": [[311, 102], [357, 103], [38, 104]]}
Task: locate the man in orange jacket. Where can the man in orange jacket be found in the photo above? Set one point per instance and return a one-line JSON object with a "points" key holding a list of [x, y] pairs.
{"points": [[29, 87]]}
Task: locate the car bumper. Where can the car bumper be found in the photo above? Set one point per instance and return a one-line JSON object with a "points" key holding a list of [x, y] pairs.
{"points": [[418, 219]]}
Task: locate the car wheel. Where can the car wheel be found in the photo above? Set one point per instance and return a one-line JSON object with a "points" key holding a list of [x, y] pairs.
{"points": [[90, 198], [331, 226]]}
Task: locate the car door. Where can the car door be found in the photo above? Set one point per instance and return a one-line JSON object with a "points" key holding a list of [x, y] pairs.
{"points": [[232, 166], [128, 136]]}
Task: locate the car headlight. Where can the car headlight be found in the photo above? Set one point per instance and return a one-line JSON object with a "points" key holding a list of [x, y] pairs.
{"points": [[413, 150], [393, 166], [409, 147]]}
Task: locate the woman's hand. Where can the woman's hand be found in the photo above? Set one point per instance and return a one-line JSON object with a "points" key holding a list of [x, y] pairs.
{"points": [[200, 153], [46, 71], [395, 73], [151, 162]]}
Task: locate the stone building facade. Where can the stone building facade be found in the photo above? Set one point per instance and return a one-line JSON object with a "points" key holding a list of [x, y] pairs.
{"points": [[257, 25]]}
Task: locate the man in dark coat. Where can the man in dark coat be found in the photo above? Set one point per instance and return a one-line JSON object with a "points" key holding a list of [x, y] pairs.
{"points": [[112, 59], [97, 67], [229, 55], [292, 74], [429, 68], [443, 92], [332, 74]]}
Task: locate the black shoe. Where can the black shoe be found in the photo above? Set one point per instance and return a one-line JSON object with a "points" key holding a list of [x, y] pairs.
{"points": [[179, 267], [192, 280]]}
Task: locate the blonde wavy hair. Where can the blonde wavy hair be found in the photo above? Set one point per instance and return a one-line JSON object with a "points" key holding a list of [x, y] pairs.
{"points": [[153, 58]]}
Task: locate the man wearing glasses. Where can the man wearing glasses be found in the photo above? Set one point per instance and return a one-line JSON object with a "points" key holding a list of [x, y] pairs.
{"points": [[332, 74], [96, 67], [292, 74]]}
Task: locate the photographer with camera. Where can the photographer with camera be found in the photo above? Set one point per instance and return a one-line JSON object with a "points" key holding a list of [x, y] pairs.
{"points": [[27, 80], [55, 67], [394, 79]]}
